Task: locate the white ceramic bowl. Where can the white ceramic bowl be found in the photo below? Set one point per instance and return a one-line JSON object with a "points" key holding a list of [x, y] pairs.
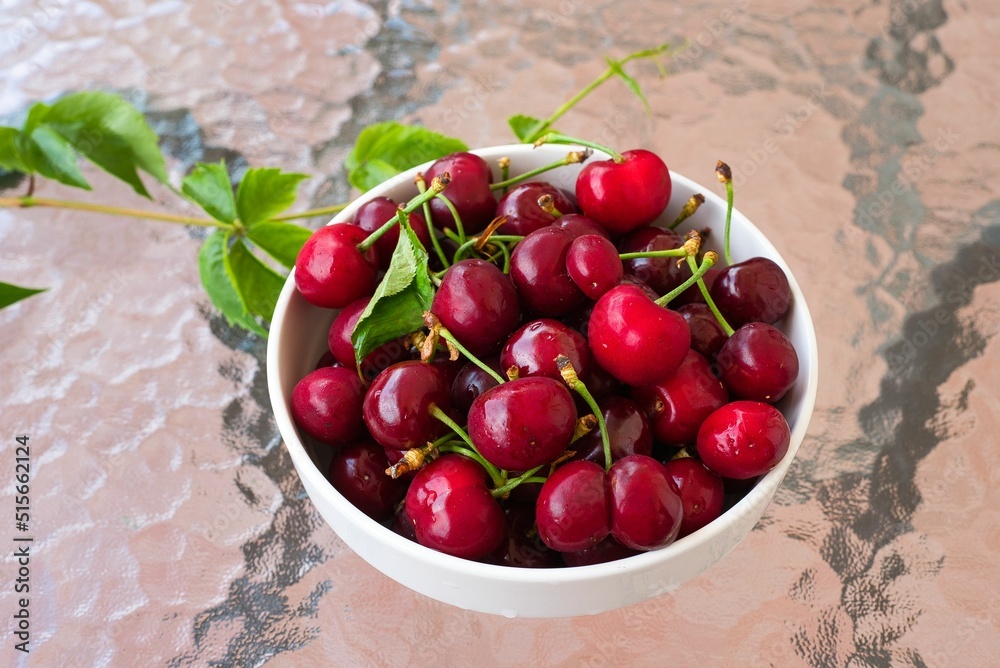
{"points": [[298, 338]]}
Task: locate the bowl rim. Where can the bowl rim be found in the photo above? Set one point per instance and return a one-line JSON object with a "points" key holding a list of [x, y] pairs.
{"points": [[765, 486]]}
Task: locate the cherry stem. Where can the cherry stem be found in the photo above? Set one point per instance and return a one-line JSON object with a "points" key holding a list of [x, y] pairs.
{"points": [[450, 338], [459, 227], [503, 491], [725, 175], [504, 163], [498, 478], [471, 243], [558, 138], [547, 203], [571, 378], [708, 299], [690, 207], [437, 185], [572, 158], [707, 262], [673, 252], [421, 183]]}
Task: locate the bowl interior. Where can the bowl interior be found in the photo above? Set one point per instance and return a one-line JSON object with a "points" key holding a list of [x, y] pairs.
{"points": [[298, 338]]}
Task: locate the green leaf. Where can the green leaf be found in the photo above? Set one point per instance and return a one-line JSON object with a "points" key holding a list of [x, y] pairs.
{"points": [[219, 285], [257, 284], [209, 187], [265, 192], [282, 241], [398, 306], [633, 85], [109, 132], [526, 128], [10, 151], [386, 149], [51, 156], [11, 294]]}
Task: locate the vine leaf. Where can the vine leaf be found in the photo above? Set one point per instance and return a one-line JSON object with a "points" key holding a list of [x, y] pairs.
{"points": [[265, 192], [398, 306], [386, 149], [219, 285], [209, 187]]}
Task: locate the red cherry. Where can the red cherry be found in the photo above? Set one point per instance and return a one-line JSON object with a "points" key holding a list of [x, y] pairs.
{"points": [[524, 215], [592, 262], [755, 290], [326, 405], [702, 492], [469, 192], [330, 271], [538, 269], [645, 509], [677, 406], [573, 511], [358, 472], [453, 511], [634, 339], [374, 213], [478, 304], [743, 439], [533, 349], [758, 362], [398, 404], [624, 196], [339, 340]]}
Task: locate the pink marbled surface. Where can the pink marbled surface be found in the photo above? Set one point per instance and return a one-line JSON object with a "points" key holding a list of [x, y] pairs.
{"points": [[169, 525]]}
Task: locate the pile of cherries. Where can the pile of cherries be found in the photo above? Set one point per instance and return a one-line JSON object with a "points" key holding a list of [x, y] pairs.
{"points": [[586, 386]]}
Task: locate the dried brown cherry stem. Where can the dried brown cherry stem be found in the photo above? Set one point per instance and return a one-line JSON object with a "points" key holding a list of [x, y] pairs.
{"points": [[692, 205], [432, 322], [547, 203]]}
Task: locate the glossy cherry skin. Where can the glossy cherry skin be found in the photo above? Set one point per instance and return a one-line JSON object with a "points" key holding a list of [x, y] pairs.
{"points": [[452, 510], [478, 304], [660, 273], [524, 215], [469, 191], [592, 262], [397, 405], [471, 381], [628, 432], [538, 269], [578, 225], [646, 511], [358, 472], [330, 271], [622, 197], [573, 511], [755, 290], [702, 492], [533, 349], [523, 423], [758, 362], [607, 550], [374, 213], [743, 439], [636, 341], [339, 340], [677, 406], [326, 405], [707, 336]]}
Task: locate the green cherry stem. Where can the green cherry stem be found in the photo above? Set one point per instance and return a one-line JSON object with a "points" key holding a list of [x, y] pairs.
{"points": [[498, 478], [504, 164], [571, 378], [708, 299], [457, 218], [558, 138], [502, 492], [437, 185], [725, 175], [421, 184], [572, 158], [707, 262], [690, 207], [450, 338]]}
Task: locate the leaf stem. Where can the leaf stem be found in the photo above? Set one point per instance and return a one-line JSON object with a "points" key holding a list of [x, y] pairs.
{"points": [[310, 213], [589, 88], [572, 158], [29, 202]]}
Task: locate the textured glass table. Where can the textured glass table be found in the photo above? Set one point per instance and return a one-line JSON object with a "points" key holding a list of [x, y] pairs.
{"points": [[169, 526]]}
